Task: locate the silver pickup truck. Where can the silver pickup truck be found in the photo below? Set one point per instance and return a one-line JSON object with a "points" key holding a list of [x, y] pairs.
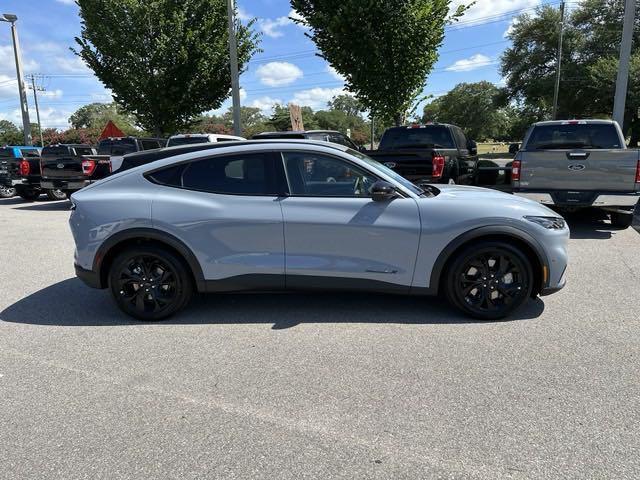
{"points": [[576, 164]]}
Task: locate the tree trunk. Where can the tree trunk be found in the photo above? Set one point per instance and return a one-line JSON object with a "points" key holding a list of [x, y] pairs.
{"points": [[397, 119]]}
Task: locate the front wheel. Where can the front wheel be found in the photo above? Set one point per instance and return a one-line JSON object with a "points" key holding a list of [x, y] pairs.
{"points": [[7, 192], [149, 283], [56, 194], [621, 220], [489, 280]]}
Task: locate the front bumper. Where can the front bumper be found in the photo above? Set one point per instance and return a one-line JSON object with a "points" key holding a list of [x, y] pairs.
{"points": [[64, 184], [582, 198], [89, 277]]}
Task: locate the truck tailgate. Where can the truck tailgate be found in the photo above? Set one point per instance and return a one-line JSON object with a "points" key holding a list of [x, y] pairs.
{"points": [[579, 169], [61, 167]]}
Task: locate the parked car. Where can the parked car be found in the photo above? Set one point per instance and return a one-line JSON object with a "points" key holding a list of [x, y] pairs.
{"points": [[20, 174], [64, 166], [433, 153], [117, 147], [218, 220], [331, 136], [579, 164], [191, 138]]}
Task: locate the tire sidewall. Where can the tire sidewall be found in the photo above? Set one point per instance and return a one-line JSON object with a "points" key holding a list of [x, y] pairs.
{"points": [[184, 285], [455, 269]]}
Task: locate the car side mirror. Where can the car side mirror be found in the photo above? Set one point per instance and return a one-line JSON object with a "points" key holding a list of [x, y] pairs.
{"points": [[382, 191], [473, 147]]}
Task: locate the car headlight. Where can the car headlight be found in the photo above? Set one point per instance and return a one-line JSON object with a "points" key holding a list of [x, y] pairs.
{"points": [[552, 223]]}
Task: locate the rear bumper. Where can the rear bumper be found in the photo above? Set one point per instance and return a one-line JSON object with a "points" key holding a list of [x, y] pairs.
{"points": [[583, 199], [89, 277], [64, 184]]}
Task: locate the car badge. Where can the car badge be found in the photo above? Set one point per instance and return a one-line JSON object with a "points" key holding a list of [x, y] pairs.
{"points": [[60, 165], [390, 164], [576, 167]]}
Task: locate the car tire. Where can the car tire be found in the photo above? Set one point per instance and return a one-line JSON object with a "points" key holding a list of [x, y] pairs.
{"points": [[489, 280], [150, 283], [56, 194], [29, 194], [7, 192], [621, 220]]}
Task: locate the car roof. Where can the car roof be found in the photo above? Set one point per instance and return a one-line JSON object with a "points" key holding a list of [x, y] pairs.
{"points": [[214, 135], [72, 145], [426, 125], [293, 133], [575, 122]]}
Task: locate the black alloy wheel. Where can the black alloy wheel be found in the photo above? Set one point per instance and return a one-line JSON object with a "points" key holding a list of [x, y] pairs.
{"points": [[149, 283], [490, 280], [56, 194]]}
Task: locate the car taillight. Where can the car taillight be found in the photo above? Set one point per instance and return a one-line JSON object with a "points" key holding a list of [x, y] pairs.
{"points": [[515, 170], [638, 172], [437, 163], [24, 168], [88, 167]]}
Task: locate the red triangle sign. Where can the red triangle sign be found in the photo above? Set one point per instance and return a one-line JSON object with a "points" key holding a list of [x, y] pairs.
{"points": [[110, 130]]}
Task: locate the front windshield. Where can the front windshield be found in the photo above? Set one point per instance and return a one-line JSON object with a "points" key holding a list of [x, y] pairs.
{"points": [[390, 173]]}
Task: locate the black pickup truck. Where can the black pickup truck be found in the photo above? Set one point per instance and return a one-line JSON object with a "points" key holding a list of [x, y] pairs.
{"points": [[433, 153], [65, 166]]}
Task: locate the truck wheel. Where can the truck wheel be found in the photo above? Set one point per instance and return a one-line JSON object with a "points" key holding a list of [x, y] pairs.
{"points": [[7, 192], [150, 283], [488, 280], [56, 194], [29, 194], [621, 220]]}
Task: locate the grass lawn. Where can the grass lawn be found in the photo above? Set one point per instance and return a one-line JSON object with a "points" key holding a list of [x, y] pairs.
{"points": [[484, 148]]}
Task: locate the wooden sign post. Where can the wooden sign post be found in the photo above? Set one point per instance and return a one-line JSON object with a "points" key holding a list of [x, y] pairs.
{"points": [[295, 112]]}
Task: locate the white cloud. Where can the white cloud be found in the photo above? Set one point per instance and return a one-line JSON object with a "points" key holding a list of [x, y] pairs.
{"points": [[272, 27], [265, 104], [70, 65], [467, 64], [8, 89], [316, 98], [243, 15], [57, 93], [276, 74], [8, 63], [509, 29], [335, 73], [490, 10], [294, 15], [67, 2]]}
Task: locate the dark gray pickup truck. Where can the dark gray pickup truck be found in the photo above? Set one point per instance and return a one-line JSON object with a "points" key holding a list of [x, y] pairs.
{"points": [[576, 164]]}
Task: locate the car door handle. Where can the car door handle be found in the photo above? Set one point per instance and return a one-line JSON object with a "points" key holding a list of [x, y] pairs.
{"points": [[577, 155]]}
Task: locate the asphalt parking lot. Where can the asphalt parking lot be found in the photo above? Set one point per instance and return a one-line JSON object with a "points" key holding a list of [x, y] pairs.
{"points": [[283, 386]]}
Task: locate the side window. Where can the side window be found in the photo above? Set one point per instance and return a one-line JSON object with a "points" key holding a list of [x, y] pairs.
{"points": [[315, 175], [342, 140], [461, 140], [150, 144], [171, 176], [249, 174]]}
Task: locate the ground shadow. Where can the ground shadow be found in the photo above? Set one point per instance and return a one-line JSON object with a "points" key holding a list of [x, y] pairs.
{"points": [[592, 225], [71, 303], [12, 201], [48, 206]]}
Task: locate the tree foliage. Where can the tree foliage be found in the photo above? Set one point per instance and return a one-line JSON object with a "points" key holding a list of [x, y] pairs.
{"points": [[97, 115], [10, 134], [593, 31], [471, 106], [166, 61], [384, 49]]}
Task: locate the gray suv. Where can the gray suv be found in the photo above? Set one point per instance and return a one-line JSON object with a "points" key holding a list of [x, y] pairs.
{"points": [[291, 214]]}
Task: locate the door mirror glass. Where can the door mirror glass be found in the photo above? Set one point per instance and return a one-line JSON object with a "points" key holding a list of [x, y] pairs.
{"points": [[473, 147], [382, 191]]}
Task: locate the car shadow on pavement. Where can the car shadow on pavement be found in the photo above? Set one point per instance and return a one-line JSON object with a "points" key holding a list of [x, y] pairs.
{"points": [[48, 206], [590, 225], [71, 303]]}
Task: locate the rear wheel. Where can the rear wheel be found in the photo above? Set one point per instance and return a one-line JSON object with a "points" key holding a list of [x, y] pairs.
{"points": [[150, 283], [7, 192], [29, 194], [489, 280], [621, 220], [56, 194]]}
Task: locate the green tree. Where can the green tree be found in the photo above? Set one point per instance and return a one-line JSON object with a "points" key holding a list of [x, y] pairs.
{"points": [[280, 120], [96, 115], [384, 49], [10, 134], [251, 119], [166, 61], [471, 106], [347, 104]]}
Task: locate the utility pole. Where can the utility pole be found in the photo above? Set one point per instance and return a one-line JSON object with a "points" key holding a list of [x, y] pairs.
{"points": [[233, 56], [623, 67], [24, 107], [556, 90], [37, 89], [372, 132]]}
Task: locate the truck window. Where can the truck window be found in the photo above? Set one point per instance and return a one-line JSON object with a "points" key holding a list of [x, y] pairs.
{"points": [[589, 135], [84, 151], [29, 153], [150, 144], [119, 146], [55, 151], [187, 141], [461, 140], [423, 137], [6, 152]]}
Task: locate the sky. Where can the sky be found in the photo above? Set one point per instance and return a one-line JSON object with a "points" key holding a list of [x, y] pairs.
{"points": [[287, 70]]}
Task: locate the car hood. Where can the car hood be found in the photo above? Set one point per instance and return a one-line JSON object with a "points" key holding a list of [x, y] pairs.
{"points": [[492, 199]]}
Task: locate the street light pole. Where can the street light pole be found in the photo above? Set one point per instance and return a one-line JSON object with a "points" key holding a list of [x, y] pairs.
{"points": [[35, 101], [233, 56], [24, 107], [556, 90], [623, 68]]}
